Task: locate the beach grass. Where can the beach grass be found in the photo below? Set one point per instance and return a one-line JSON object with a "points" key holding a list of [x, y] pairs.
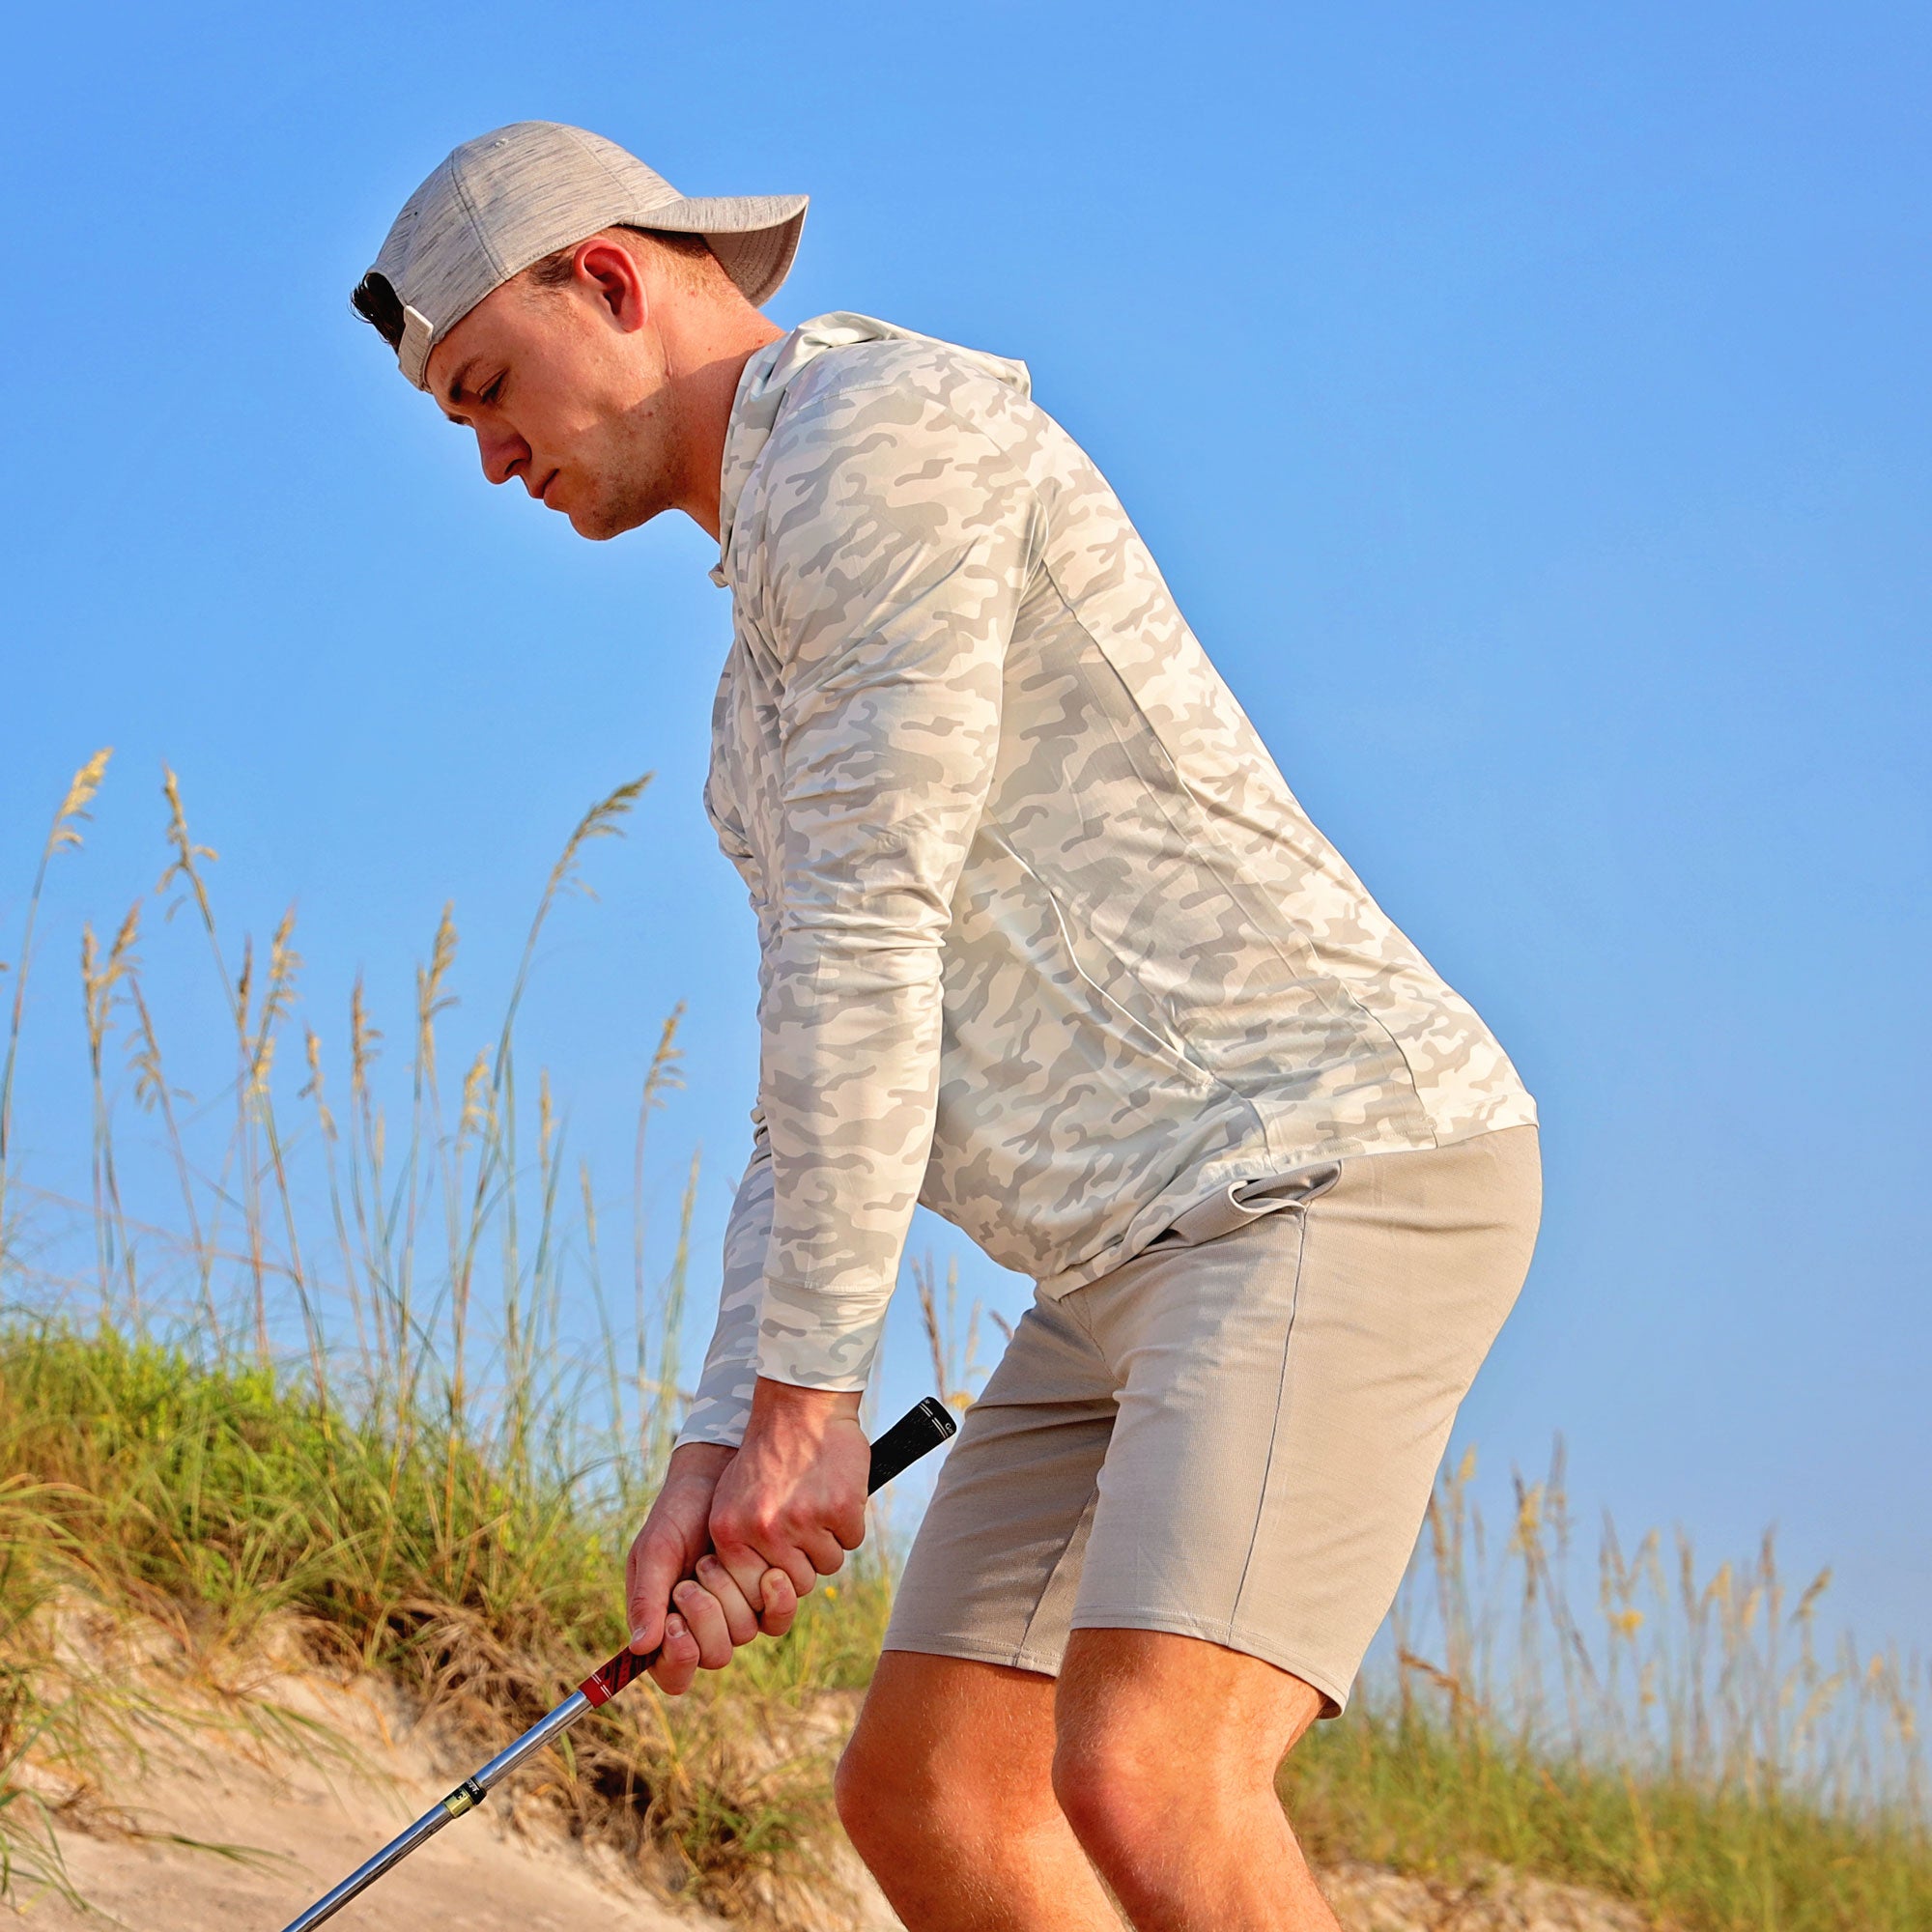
{"points": [[1688, 1743], [319, 1337]]}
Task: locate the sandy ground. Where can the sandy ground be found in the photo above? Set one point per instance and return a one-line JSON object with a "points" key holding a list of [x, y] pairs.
{"points": [[479, 1876], [1368, 1900], [305, 1823], [308, 1829], [483, 1880]]}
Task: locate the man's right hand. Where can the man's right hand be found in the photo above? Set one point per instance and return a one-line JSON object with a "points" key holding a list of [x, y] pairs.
{"points": [[679, 1593]]}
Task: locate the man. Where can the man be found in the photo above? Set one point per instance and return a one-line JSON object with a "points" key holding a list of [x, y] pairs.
{"points": [[1048, 945]]}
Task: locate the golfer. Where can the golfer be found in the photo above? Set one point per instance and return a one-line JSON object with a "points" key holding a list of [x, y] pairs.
{"points": [[1048, 945]]}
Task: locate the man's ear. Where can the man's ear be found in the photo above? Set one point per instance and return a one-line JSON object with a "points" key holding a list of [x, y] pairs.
{"points": [[608, 274]]}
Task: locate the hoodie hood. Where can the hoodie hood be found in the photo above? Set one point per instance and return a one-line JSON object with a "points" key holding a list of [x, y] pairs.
{"points": [[771, 372]]}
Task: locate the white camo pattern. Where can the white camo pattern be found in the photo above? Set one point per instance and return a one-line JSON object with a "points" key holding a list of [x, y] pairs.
{"points": [[1046, 941]]}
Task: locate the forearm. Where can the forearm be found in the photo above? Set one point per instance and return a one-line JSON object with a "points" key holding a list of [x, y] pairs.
{"points": [[850, 1081], [723, 1405]]}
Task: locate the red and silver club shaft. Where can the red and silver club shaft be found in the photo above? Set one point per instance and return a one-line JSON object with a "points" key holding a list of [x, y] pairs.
{"points": [[924, 1427]]}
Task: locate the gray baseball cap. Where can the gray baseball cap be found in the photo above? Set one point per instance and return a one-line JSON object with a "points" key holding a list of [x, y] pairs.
{"points": [[509, 198]]}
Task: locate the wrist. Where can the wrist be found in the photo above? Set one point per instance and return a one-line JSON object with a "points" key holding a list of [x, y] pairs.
{"points": [[698, 1462], [785, 1405]]}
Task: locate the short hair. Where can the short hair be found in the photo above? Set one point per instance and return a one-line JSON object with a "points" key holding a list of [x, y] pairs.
{"points": [[691, 253], [375, 301], [378, 303]]}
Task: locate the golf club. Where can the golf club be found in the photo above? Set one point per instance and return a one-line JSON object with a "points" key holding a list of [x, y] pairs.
{"points": [[924, 1427]]}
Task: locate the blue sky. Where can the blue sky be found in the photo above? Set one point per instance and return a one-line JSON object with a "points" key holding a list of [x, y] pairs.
{"points": [[1529, 406]]}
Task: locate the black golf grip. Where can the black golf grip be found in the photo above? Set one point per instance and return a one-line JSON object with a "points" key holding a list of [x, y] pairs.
{"points": [[922, 1428]]}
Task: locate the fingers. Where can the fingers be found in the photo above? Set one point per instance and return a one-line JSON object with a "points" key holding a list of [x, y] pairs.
{"points": [[673, 1671], [748, 1550], [775, 1593], [655, 1565], [848, 1528], [800, 1559], [706, 1621], [781, 1603], [675, 1535], [718, 1618], [825, 1551], [709, 1619], [743, 1565], [741, 1617]]}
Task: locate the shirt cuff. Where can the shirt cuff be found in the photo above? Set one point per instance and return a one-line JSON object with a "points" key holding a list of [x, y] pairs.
{"points": [[815, 1339], [721, 1415]]}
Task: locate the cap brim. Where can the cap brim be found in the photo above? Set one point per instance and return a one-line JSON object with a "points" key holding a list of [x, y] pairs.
{"points": [[754, 236]]}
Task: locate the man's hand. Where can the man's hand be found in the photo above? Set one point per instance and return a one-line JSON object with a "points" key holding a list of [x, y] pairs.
{"points": [[792, 1501], [671, 1562]]}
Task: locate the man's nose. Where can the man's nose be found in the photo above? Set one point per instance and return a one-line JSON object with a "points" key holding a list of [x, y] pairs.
{"points": [[503, 454]]}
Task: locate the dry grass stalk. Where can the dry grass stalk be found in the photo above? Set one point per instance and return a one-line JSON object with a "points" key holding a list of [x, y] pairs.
{"points": [[333, 1379], [63, 836]]}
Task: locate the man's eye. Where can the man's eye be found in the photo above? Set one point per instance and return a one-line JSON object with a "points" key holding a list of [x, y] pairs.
{"points": [[491, 394]]}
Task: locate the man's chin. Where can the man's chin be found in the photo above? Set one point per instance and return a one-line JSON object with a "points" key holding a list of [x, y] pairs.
{"points": [[600, 525]]}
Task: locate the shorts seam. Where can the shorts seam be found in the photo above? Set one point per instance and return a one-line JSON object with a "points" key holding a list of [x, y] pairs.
{"points": [[970, 1652], [1052, 1576], [1077, 1314], [1229, 1635], [1274, 1425]]}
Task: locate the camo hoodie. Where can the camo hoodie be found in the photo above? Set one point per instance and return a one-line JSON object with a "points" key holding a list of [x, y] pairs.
{"points": [[1046, 941]]}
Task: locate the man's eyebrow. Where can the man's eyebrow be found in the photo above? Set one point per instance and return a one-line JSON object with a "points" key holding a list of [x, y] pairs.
{"points": [[454, 392]]}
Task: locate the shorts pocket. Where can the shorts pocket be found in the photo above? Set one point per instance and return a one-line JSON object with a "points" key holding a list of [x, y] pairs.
{"points": [[1242, 1203]]}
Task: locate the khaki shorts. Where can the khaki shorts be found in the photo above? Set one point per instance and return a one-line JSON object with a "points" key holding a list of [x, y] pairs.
{"points": [[1233, 1436]]}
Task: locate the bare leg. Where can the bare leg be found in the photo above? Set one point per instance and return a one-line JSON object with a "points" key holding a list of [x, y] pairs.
{"points": [[947, 1790], [978, 1794], [1168, 1748]]}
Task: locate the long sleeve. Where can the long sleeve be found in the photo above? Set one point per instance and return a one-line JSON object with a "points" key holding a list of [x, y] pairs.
{"points": [[899, 542], [1045, 939], [724, 1401]]}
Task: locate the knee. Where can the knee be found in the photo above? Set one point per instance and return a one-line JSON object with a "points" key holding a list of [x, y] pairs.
{"points": [[872, 1799], [1132, 1786], [1118, 1792], [898, 1803]]}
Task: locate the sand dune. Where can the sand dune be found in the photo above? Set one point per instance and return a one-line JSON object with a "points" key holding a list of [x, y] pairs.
{"points": [[306, 1829], [297, 1825]]}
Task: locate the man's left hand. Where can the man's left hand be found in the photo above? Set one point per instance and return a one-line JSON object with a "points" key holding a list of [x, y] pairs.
{"points": [[794, 1496]]}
